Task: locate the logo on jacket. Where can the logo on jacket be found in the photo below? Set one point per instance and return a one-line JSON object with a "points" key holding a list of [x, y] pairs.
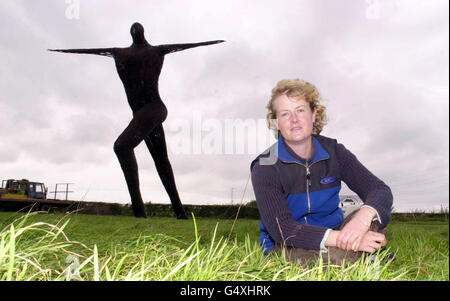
{"points": [[328, 180]]}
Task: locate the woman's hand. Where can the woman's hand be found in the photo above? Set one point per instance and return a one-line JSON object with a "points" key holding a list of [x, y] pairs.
{"points": [[355, 235], [350, 237], [372, 241]]}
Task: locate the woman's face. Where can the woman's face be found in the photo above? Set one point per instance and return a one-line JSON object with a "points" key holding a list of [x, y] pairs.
{"points": [[295, 118]]}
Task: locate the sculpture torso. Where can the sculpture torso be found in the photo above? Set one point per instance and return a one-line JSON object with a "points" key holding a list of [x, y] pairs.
{"points": [[139, 68]]}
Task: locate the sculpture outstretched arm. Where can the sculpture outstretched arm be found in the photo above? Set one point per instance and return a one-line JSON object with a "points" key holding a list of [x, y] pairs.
{"points": [[98, 51], [169, 48]]}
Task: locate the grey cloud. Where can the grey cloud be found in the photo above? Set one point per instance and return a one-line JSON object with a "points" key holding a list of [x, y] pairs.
{"points": [[91, 128], [9, 154]]}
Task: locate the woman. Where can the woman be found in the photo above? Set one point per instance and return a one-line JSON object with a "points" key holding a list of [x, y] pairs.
{"points": [[298, 192]]}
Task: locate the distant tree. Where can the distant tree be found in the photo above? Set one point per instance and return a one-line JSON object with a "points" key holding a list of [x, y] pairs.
{"points": [[252, 204]]}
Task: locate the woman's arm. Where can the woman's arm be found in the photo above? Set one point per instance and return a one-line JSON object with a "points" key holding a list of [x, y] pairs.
{"points": [[370, 242], [351, 235], [169, 48], [374, 193], [275, 214]]}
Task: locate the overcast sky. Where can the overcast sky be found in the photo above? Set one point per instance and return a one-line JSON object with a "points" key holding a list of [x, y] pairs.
{"points": [[381, 66]]}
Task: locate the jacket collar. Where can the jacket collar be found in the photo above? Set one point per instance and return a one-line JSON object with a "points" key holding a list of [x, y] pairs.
{"points": [[283, 155]]}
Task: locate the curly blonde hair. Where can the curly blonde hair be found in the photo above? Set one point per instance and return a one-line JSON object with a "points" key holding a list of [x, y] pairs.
{"points": [[298, 89]]}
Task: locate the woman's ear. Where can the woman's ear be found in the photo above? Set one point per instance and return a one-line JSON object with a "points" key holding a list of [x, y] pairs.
{"points": [[314, 116]]}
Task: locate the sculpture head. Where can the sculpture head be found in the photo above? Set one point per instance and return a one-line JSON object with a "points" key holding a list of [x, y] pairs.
{"points": [[137, 33]]}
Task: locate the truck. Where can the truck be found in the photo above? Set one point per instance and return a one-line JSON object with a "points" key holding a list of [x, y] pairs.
{"points": [[20, 194], [23, 189]]}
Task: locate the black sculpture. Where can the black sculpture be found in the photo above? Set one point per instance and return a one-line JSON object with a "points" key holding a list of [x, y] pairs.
{"points": [[139, 67]]}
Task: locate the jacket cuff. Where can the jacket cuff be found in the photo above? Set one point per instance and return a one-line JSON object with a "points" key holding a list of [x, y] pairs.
{"points": [[383, 211], [377, 218], [323, 249]]}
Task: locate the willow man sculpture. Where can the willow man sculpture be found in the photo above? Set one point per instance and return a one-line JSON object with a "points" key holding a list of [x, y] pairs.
{"points": [[139, 67]]}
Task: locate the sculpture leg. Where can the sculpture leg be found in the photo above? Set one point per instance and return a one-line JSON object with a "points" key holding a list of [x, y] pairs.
{"points": [[156, 144], [143, 122]]}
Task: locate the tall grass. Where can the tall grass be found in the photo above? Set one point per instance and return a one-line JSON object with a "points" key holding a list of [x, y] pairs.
{"points": [[42, 251], [426, 256]]}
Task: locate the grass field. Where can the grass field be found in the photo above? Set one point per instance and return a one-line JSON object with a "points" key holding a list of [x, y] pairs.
{"points": [[90, 247]]}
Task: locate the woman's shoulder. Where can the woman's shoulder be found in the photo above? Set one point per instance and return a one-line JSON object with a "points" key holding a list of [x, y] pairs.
{"points": [[335, 148], [330, 143], [265, 164], [326, 141], [263, 170]]}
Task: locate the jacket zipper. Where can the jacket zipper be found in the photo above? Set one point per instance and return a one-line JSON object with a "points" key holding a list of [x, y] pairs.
{"points": [[308, 181]]}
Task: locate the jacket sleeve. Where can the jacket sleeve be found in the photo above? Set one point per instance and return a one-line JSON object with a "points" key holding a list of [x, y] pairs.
{"points": [[372, 191], [275, 214]]}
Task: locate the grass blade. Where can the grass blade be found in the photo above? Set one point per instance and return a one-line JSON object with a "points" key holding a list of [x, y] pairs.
{"points": [[12, 248]]}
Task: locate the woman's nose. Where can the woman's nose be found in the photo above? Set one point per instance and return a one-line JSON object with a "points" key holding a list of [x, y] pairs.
{"points": [[294, 118]]}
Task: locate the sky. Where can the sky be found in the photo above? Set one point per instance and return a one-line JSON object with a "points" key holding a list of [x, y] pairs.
{"points": [[382, 68]]}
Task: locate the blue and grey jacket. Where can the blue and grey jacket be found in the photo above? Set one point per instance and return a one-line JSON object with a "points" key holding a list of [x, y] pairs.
{"points": [[298, 200]]}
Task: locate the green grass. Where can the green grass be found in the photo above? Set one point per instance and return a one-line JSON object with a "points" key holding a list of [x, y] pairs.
{"points": [[89, 247]]}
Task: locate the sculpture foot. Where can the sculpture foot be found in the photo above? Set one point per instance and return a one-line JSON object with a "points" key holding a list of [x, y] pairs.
{"points": [[182, 216], [141, 215]]}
